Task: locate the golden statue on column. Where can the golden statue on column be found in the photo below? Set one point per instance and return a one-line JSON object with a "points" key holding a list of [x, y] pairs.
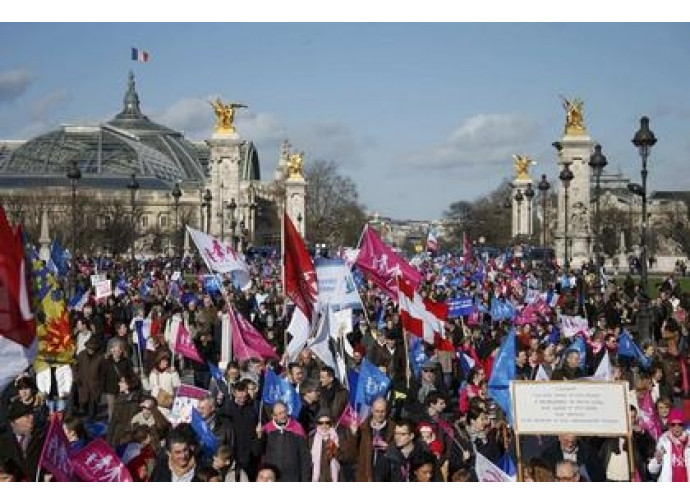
{"points": [[295, 166], [225, 115], [521, 165], [574, 116]]}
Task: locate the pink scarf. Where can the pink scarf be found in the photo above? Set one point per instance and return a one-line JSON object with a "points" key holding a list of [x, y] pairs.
{"points": [[317, 448]]}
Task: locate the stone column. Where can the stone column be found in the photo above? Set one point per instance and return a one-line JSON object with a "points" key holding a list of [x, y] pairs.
{"points": [[44, 239], [224, 177], [521, 214]]}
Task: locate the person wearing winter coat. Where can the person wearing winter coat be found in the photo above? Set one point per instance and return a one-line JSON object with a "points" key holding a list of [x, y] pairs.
{"points": [[671, 461]]}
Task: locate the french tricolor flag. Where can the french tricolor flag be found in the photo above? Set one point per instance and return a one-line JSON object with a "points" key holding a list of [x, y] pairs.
{"points": [[139, 55]]}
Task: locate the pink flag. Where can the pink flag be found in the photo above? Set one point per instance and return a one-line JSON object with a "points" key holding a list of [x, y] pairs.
{"points": [[648, 418], [247, 342], [382, 265], [185, 346], [55, 453], [348, 417], [98, 462]]}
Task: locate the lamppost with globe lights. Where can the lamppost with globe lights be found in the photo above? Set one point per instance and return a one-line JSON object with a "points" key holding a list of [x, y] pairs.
{"points": [[644, 139], [133, 186], [74, 174], [597, 161], [566, 176]]}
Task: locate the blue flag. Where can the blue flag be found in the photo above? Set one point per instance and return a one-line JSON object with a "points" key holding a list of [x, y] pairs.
{"points": [[58, 258], [502, 373], [216, 373], [417, 355], [211, 284], [207, 440], [466, 362], [502, 310], [628, 348], [141, 338], [372, 384], [506, 464], [80, 298], [278, 389], [460, 306]]}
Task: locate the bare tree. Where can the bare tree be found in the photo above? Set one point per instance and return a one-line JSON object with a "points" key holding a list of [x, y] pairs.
{"points": [[334, 214]]}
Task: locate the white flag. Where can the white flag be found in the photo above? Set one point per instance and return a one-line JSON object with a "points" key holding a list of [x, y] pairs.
{"points": [[487, 472], [604, 371], [541, 374], [219, 256], [299, 329]]}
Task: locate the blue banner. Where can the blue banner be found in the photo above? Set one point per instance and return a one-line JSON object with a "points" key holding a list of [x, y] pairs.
{"points": [[460, 306]]}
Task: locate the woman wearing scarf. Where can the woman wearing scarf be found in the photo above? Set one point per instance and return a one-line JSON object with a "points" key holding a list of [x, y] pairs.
{"points": [[325, 450], [671, 460]]}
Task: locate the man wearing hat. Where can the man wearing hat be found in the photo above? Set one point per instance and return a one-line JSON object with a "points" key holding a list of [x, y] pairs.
{"points": [[21, 445]]}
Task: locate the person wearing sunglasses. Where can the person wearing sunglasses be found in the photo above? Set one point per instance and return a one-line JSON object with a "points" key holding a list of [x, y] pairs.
{"points": [[671, 460], [325, 449]]}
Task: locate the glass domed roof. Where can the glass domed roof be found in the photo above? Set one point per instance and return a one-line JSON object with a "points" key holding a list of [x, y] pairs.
{"points": [[128, 143]]}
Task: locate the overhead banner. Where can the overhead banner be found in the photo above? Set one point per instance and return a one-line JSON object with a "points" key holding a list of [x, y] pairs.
{"points": [[335, 284], [571, 407]]}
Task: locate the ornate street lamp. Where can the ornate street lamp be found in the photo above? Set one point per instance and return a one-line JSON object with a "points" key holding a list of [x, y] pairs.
{"points": [[207, 204], [177, 194], [543, 187], [529, 194], [133, 186], [232, 206], [597, 162], [644, 139], [566, 177], [74, 174], [519, 198]]}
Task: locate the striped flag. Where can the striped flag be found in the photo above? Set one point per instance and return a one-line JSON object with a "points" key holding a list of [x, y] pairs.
{"points": [[139, 55]]}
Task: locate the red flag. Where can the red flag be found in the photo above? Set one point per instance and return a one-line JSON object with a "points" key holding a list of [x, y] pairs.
{"points": [[415, 317], [17, 324], [247, 342], [98, 462], [383, 265], [300, 275], [467, 251], [185, 346], [55, 453]]}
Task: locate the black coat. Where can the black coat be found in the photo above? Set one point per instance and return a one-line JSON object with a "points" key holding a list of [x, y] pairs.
{"points": [[243, 421], [586, 457], [289, 453], [398, 467], [26, 464]]}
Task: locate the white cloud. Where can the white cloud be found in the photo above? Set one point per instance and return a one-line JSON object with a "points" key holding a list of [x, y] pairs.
{"points": [[193, 116], [13, 83], [481, 140], [41, 108], [332, 141]]}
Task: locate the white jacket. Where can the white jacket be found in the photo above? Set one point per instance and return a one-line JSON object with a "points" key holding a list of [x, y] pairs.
{"points": [[664, 444]]}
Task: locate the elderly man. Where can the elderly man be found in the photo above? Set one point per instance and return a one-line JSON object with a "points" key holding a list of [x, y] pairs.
{"points": [[285, 445], [219, 426], [570, 447], [366, 444], [21, 445]]}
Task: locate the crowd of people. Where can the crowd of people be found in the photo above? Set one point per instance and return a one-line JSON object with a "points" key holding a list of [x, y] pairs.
{"points": [[433, 423]]}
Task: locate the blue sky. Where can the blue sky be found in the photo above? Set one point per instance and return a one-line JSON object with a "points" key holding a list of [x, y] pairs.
{"points": [[418, 115]]}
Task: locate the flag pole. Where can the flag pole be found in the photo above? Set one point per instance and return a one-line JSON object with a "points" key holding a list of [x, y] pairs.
{"points": [[405, 336], [223, 292], [282, 277]]}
